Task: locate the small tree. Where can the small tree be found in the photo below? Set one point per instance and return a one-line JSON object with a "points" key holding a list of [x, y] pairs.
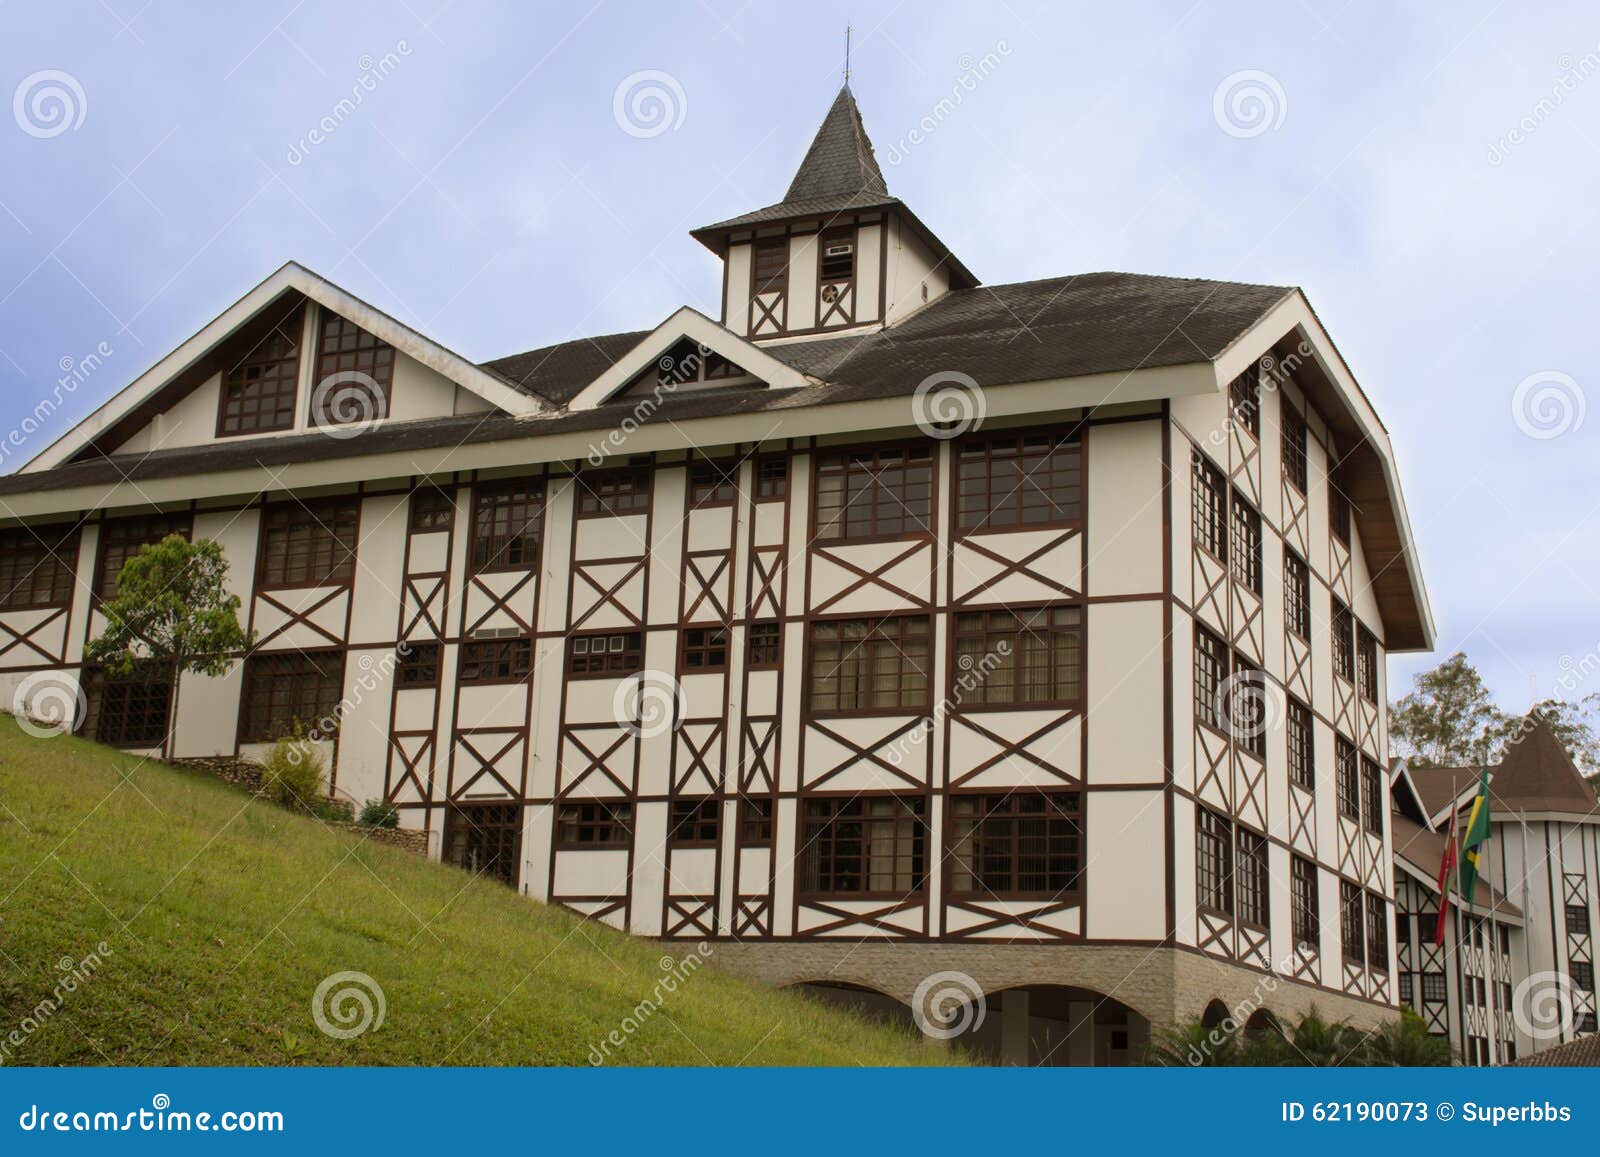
{"points": [[1448, 720], [172, 614]]}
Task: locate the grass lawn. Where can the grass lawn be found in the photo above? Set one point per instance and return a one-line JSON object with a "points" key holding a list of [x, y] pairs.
{"points": [[220, 916]]}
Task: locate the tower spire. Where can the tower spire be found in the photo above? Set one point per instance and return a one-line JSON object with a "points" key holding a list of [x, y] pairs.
{"points": [[847, 31]]}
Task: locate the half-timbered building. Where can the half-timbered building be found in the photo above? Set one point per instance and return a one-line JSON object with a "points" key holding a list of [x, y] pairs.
{"points": [[876, 624]]}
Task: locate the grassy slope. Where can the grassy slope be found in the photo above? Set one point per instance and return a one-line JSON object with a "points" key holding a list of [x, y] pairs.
{"points": [[224, 914]]}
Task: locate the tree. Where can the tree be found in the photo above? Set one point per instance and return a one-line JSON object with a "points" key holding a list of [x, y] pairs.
{"points": [[1448, 720], [172, 614]]}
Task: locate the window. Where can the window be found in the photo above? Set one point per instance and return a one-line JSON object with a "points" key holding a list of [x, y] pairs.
{"points": [[1366, 665], [1296, 594], [837, 255], [1245, 555], [1214, 861], [1577, 920], [1581, 973], [1247, 707], [772, 477], [1347, 782], [1251, 883], [614, 492], [495, 660], [1210, 506], [1402, 930], [258, 391], [1372, 796], [600, 655], [1435, 988], [764, 646], [37, 565], [432, 509], [128, 712], [704, 649], [1377, 932], [485, 839], [1351, 921], [354, 373], [712, 483], [693, 822], [1303, 903], [594, 825], [1586, 1023], [865, 845], [866, 665], [771, 265], [285, 690], [1294, 449], [507, 522], [1019, 480], [1302, 762], [755, 821], [122, 538], [1017, 844], [1244, 399], [1338, 515], [1210, 676], [1343, 642], [1405, 984], [875, 493], [417, 665], [309, 544], [1017, 657]]}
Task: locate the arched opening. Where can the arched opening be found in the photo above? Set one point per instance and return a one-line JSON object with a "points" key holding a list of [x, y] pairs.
{"points": [[863, 1001], [1055, 1025], [1262, 1023], [1214, 1015]]}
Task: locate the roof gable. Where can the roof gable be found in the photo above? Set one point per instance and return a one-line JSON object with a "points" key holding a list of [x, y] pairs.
{"points": [[1537, 775]]}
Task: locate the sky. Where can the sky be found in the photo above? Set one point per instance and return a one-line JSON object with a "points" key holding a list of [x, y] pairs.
{"points": [[504, 176]]}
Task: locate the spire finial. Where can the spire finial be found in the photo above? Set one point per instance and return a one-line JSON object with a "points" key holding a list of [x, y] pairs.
{"points": [[847, 31]]}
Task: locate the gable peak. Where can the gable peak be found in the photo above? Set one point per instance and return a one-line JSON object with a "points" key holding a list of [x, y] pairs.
{"points": [[840, 161]]}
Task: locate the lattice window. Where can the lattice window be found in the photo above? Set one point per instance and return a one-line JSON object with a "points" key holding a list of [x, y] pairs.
{"points": [[289, 691], [585, 826], [1577, 920], [763, 646], [1372, 808], [1377, 932], [1366, 664], [417, 664], [865, 846], [431, 509], [1435, 988], [1351, 922], [128, 712], [1338, 514], [122, 538], [1018, 481], [1296, 594], [507, 526], [1343, 630], [712, 483], [259, 391], [614, 492], [1213, 861], [862, 665], [875, 494], [1248, 707], [1405, 988], [694, 823], [1244, 399], [1304, 907], [495, 661], [485, 839], [755, 821], [1347, 782], [1245, 541], [1019, 657], [309, 544], [772, 477], [1302, 762], [355, 372], [37, 564], [1210, 675], [705, 649], [1294, 448], [1210, 506], [600, 654], [1252, 881], [1018, 845], [1581, 973]]}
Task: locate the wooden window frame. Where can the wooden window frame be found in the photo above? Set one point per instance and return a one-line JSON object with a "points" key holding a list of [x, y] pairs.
{"points": [[1435, 987], [1296, 444], [755, 815], [1056, 458], [1244, 543], [713, 483], [1250, 733], [866, 674], [507, 517], [975, 693], [620, 492], [694, 822], [359, 352], [431, 509], [1577, 919], [1352, 923], [763, 653], [1212, 666], [704, 650], [1296, 594], [1581, 973], [1338, 515], [31, 553], [1302, 763], [1213, 862], [1209, 506], [1305, 917], [122, 538], [1244, 400], [1372, 808], [988, 829], [1341, 631], [337, 521], [775, 282], [509, 659], [501, 820], [826, 850], [1252, 878], [123, 701], [613, 820], [1347, 778], [276, 367], [885, 477], [1366, 664], [771, 485], [418, 665], [609, 670], [316, 712], [1379, 955]]}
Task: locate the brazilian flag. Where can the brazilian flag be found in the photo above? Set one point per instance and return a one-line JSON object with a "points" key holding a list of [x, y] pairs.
{"points": [[1476, 835]]}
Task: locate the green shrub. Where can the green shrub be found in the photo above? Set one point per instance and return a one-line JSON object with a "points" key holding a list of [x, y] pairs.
{"points": [[293, 773], [376, 814], [335, 811]]}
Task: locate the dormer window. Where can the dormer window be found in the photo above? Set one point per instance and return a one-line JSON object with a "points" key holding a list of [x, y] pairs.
{"points": [[838, 255], [258, 391], [354, 373]]}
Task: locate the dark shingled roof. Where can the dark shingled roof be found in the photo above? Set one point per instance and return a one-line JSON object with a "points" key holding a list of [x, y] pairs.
{"points": [[840, 159], [1435, 784], [1031, 331], [1424, 850], [1537, 775], [1581, 1053]]}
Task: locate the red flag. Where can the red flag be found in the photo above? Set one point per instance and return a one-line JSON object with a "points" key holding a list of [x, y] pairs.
{"points": [[1447, 873]]}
